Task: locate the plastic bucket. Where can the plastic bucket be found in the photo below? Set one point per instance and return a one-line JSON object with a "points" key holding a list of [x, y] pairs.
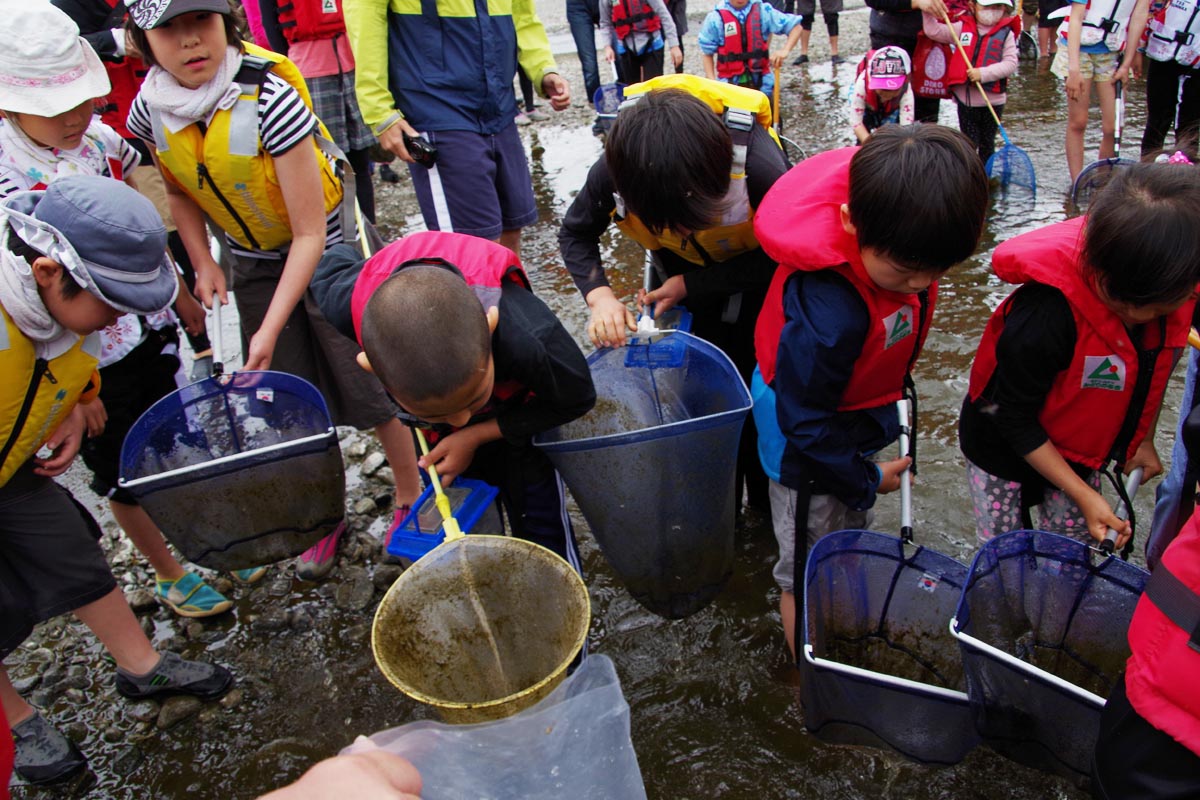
{"points": [[481, 627], [652, 467], [1042, 627], [240, 471], [879, 666]]}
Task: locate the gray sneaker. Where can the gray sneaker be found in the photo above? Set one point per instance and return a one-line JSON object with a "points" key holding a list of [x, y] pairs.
{"points": [[176, 675], [43, 754]]}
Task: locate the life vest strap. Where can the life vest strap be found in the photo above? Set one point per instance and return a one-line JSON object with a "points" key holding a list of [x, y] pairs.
{"points": [[1179, 603]]}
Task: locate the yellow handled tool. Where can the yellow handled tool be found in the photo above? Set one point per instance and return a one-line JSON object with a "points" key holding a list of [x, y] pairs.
{"points": [[1194, 338], [449, 523]]}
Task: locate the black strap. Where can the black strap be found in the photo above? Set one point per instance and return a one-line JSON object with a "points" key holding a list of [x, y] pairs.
{"points": [[1177, 601], [800, 563]]}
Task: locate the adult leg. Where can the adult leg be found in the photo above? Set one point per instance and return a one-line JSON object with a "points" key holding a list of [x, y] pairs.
{"points": [[831, 25], [583, 31], [652, 63]]}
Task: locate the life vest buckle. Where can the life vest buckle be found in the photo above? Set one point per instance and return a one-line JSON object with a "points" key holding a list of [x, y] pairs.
{"points": [[1184, 38], [739, 119]]}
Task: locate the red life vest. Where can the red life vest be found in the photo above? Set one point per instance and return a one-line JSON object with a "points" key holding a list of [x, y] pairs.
{"points": [[877, 108], [799, 225], [126, 76], [634, 15], [1160, 677], [485, 266], [1086, 408], [745, 50], [935, 68], [987, 49], [309, 20]]}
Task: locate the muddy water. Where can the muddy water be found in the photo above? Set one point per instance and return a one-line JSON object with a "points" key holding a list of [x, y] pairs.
{"points": [[714, 700]]}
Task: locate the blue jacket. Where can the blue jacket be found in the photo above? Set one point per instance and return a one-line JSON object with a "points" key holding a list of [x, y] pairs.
{"points": [[774, 22], [444, 64]]}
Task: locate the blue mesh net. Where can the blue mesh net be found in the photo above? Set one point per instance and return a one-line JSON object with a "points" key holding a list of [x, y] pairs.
{"points": [[1011, 166], [880, 667], [238, 473], [1093, 178], [1046, 618], [649, 470]]}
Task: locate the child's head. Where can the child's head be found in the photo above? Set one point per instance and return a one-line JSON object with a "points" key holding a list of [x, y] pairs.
{"points": [[95, 249], [187, 38], [918, 196], [989, 12], [669, 157], [426, 337], [1141, 241], [887, 72], [49, 74]]}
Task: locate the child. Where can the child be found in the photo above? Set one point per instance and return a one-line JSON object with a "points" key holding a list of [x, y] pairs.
{"points": [[640, 29], [988, 35], [683, 182], [277, 221], [72, 260], [881, 93], [1094, 35], [51, 132], [845, 318], [807, 9], [735, 41], [1168, 38], [1070, 374], [450, 326]]}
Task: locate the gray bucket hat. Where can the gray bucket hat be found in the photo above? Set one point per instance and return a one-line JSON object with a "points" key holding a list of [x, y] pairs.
{"points": [[110, 238]]}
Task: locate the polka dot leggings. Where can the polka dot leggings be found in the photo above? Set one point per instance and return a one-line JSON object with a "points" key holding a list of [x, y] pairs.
{"points": [[996, 504]]}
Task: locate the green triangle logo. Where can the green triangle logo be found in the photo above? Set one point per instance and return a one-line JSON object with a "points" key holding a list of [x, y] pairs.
{"points": [[898, 326], [1106, 371]]}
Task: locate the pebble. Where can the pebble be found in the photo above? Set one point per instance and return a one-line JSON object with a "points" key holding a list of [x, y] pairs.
{"points": [[39, 657], [45, 697], [144, 710], [356, 633], [300, 619], [386, 575], [364, 505], [372, 463], [128, 760], [355, 591], [223, 585], [209, 713], [233, 699], [177, 709], [26, 684], [386, 476], [271, 620], [112, 734], [280, 586], [75, 731], [194, 630], [142, 601], [356, 450], [75, 697]]}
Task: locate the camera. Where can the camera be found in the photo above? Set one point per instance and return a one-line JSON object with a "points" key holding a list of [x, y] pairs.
{"points": [[421, 150]]}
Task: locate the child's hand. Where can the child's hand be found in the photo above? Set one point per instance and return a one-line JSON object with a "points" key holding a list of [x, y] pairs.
{"points": [[664, 298], [1074, 85], [610, 55], [777, 59], [1146, 457], [452, 455], [677, 56], [95, 417], [890, 473], [210, 279], [64, 444], [973, 74], [1100, 517], [262, 349], [191, 313], [610, 318], [371, 773], [935, 7]]}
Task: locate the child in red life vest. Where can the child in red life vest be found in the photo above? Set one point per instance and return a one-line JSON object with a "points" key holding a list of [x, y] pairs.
{"points": [[988, 35], [735, 42], [1070, 374], [845, 318], [449, 324], [882, 93], [640, 29]]}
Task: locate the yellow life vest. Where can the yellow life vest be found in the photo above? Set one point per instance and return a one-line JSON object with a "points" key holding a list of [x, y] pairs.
{"points": [[741, 109], [226, 172], [38, 394]]}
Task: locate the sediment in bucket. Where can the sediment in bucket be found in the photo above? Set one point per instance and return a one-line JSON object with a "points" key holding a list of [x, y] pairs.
{"points": [[652, 467], [481, 627]]}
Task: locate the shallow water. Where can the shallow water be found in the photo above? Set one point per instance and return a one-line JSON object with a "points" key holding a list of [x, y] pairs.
{"points": [[714, 700]]}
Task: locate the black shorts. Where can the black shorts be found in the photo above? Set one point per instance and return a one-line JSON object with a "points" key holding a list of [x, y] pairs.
{"points": [[50, 556], [1047, 7]]}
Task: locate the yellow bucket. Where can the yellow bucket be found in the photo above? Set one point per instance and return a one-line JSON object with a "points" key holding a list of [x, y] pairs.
{"points": [[481, 627]]}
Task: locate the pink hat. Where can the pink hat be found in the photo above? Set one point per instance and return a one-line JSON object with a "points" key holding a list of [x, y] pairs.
{"points": [[888, 68]]}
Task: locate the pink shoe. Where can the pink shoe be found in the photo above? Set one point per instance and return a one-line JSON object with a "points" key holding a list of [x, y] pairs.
{"points": [[316, 562]]}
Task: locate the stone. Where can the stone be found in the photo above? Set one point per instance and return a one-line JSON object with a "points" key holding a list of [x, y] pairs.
{"points": [[232, 699], [144, 710], [356, 450], [271, 620], [385, 575], [26, 684], [142, 601], [75, 731], [355, 591], [176, 709], [112, 734], [128, 760], [372, 463], [280, 586], [223, 585], [364, 506], [194, 630], [385, 475]]}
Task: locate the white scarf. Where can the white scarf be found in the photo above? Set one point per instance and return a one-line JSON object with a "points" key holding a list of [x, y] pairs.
{"points": [[20, 298], [39, 164], [180, 106]]}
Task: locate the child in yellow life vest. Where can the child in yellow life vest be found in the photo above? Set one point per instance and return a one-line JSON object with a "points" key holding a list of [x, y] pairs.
{"points": [[232, 130]]}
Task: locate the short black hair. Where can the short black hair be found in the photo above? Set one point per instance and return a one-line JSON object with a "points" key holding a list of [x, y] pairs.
{"points": [[234, 34], [425, 333], [1141, 241], [67, 284], [669, 156], [918, 195]]}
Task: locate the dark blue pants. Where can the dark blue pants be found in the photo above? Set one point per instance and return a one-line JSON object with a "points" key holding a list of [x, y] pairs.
{"points": [[582, 16]]}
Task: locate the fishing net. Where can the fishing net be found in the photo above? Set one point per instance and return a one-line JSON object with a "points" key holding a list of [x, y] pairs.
{"points": [[1011, 166], [1095, 176], [1042, 625], [879, 666], [607, 99], [238, 472]]}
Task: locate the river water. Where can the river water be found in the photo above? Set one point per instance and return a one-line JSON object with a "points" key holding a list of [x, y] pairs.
{"points": [[714, 698]]}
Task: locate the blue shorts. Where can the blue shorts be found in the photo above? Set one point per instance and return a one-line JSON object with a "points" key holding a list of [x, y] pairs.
{"points": [[479, 186]]}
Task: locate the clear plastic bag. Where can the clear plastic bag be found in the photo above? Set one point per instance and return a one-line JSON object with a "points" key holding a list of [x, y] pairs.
{"points": [[574, 743]]}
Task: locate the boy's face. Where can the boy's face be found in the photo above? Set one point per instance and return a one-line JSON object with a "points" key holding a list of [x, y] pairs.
{"points": [[885, 273], [83, 313], [739, 4], [62, 132], [459, 406]]}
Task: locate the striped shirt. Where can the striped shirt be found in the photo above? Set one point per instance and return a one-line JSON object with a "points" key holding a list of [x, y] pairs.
{"points": [[284, 121]]}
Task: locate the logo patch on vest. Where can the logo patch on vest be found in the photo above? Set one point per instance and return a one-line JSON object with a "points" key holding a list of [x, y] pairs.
{"points": [[329, 6], [898, 326], [731, 28], [1103, 372]]}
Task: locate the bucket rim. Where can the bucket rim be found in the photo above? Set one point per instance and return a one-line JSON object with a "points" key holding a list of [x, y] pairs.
{"points": [[555, 675], [665, 430]]}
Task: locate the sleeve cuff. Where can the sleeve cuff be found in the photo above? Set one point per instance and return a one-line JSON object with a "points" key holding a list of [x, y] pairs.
{"points": [[118, 35], [379, 129]]}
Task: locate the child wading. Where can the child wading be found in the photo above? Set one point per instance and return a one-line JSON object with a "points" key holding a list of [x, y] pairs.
{"points": [[641, 30], [735, 40], [1070, 374], [881, 94], [845, 319], [235, 138]]}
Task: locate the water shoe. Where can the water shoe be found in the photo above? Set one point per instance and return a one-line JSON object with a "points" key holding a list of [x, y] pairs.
{"points": [[43, 754], [189, 596], [176, 675]]}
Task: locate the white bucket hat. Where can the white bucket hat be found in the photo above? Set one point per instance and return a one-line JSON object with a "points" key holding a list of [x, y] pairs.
{"points": [[46, 67]]}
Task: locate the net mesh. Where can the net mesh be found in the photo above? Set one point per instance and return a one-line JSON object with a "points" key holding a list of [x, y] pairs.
{"points": [[1012, 167], [1095, 176], [1050, 602], [875, 604]]}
